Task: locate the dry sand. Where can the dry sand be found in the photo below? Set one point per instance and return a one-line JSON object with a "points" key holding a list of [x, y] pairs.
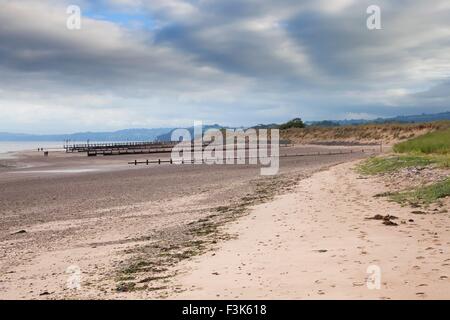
{"points": [[315, 243]]}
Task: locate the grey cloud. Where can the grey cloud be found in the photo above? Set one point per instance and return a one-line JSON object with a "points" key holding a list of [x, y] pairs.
{"points": [[235, 62]]}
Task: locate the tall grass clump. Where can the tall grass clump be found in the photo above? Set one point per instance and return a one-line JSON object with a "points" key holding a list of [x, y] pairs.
{"points": [[424, 195], [376, 165], [437, 142]]}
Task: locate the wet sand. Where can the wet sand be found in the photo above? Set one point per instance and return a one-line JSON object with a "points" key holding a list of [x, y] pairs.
{"points": [[69, 210]]}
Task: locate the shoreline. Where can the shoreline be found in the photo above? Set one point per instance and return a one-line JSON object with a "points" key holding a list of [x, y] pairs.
{"points": [[311, 241], [103, 221]]}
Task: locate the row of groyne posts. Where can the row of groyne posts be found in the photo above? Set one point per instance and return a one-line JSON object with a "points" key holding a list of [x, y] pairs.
{"points": [[127, 148], [119, 148], [122, 148], [242, 160]]}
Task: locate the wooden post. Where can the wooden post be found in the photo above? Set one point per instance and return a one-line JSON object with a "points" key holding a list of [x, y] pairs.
{"points": [[159, 161], [147, 161], [135, 162]]}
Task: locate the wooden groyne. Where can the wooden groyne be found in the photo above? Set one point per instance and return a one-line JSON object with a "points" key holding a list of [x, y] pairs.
{"points": [[119, 148], [311, 154], [123, 148]]}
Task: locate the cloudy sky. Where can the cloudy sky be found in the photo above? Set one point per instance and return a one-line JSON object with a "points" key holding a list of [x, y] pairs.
{"points": [[160, 63]]}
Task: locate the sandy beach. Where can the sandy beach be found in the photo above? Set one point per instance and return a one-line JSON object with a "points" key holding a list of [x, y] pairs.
{"points": [[101, 215], [316, 243], [139, 232], [190, 153]]}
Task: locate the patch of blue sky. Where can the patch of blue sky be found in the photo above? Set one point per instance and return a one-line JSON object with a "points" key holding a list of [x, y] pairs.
{"points": [[132, 18]]}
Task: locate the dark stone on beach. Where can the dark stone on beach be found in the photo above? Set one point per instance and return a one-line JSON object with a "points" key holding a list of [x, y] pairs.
{"points": [[19, 232], [389, 223], [418, 212], [376, 217], [381, 217]]}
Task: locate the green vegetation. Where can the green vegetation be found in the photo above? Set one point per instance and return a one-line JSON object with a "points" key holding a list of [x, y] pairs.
{"points": [[437, 142], [431, 148], [423, 195], [376, 165], [294, 123]]}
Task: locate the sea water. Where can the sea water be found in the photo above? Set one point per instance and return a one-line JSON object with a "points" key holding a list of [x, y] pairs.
{"points": [[7, 147]]}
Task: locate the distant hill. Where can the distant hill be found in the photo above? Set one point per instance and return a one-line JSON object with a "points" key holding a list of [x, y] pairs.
{"points": [[398, 119], [167, 136], [164, 134], [266, 126], [419, 118], [121, 135], [325, 123]]}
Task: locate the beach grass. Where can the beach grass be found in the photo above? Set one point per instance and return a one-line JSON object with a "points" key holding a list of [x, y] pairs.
{"points": [[377, 165], [422, 151], [437, 142], [431, 149], [423, 195]]}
